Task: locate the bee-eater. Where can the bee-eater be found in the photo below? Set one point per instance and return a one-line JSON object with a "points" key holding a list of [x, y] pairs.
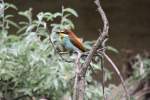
{"points": [[74, 40], [67, 42]]}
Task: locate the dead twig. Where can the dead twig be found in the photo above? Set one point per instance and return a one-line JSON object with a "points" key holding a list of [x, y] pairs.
{"points": [[99, 41], [118, 73], [103, 75], [77, 68]]}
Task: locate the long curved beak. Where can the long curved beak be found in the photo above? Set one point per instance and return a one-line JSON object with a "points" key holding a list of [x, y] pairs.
{"points": [[59, 32]]}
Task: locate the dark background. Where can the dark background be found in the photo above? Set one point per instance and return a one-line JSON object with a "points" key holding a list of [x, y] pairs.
{"points": [[129, 21]]}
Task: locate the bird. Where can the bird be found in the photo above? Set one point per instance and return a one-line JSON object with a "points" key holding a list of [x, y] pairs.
{"points": [[67, 43], [73, 39]]}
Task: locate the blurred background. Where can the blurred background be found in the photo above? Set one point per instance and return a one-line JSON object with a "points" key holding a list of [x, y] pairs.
{"points": [[129, 22]]}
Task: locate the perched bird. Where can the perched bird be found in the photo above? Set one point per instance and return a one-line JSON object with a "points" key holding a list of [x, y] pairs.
{"points": [[74, 40], [67, 42]]}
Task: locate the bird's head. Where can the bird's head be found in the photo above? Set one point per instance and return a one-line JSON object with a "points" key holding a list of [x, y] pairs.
{"points": [[62, 35], [64, 31]]}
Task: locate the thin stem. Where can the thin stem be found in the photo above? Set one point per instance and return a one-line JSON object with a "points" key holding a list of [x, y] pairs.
{"points": [[75, 88], [103, 74], [77, 67], [118, 72]]}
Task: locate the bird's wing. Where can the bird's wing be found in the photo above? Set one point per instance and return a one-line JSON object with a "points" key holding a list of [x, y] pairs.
{"points": [[77, 42], [68, 44]]}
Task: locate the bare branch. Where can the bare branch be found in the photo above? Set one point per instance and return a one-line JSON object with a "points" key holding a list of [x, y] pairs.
{"points": [[77, 68], [119, 74], [99, 41], [83, 70], [103, 75]]}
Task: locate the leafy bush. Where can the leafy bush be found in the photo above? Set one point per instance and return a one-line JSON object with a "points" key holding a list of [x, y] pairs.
{"points": [[29, 64], [141, 66]]}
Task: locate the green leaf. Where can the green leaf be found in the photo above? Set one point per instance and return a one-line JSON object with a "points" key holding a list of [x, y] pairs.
{"points": [[67, 23], [8, 5], [13, 38], [66, 15], [112, 49], [22, 29], [69, 10], [30, 28], [55, 15], [8, 16], [48, 16], [13, 23], [23, 23], [56, 84], [27, 14]]}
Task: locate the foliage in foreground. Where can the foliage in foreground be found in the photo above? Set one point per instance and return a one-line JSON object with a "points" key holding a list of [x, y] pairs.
{"points": [[138, 80], [29, 65]]}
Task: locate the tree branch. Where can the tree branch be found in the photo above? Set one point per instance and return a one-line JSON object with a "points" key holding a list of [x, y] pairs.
{"points": [[77, 68], [80, 88], [81, 75], [118, 73], [99, 41]]}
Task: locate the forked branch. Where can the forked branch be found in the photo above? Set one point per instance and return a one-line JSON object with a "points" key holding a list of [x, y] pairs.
{"points": [[83, 69]]}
